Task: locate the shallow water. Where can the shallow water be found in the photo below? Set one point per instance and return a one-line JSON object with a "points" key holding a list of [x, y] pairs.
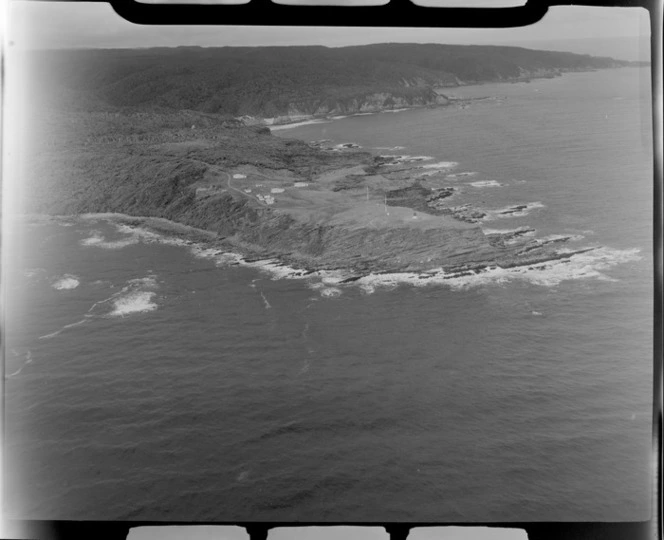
{"points": [[175, 382]]}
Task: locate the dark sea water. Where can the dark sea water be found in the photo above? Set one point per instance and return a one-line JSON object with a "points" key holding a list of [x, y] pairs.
{"points": [[152, 380]]}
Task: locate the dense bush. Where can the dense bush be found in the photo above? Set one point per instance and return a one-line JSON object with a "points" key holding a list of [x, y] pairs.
{"points": [[265, 81]]}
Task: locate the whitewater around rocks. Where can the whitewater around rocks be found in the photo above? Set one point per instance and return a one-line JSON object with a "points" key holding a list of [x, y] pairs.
{"points": [[592, 264]]}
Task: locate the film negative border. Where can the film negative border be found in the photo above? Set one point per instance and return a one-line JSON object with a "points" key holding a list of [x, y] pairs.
{"points": [[403, 13], [395, 13]]}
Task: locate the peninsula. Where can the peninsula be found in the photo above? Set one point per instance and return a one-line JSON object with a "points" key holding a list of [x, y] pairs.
{"points": [[183, 139]]}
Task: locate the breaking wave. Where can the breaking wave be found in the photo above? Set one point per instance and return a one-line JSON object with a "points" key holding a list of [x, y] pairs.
{"points": [[139, 295], [325, 291], [586, 265], [518, 210], [522, 230], [136, 297], [272, 267], [440, 165], [96, 239], [66, 282], [486, 183], [136, 302], [132, 235], [330, 292], [280, 127], [347, 145]]}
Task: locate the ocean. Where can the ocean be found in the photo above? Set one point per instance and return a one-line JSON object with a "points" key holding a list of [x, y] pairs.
{"points": [[149, 378]]}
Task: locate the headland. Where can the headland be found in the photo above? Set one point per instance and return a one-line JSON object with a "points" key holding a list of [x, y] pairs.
{"points": [[122, 146]]}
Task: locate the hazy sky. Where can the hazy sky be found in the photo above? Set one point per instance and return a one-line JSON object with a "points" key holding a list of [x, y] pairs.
{"points": [[617, 32]]}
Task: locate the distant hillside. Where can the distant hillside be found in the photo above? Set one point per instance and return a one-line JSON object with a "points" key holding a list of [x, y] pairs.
{"points": [[291, 82]]}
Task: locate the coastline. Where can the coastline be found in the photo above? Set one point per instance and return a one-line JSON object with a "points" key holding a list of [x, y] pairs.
{"points": [[176, 285], [195, 193], [563, 264], [280, 123]]}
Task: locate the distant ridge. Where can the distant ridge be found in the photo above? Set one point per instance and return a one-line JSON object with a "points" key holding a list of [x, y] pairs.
{"points": [[283, 84]]}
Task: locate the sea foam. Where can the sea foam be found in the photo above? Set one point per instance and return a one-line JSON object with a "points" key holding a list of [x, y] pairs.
{"points": [[135, 302], [520, 210], [66, 282], [280, 127], [139, 295], [330, 292], [132, 236], [96, 239], [591, 264], [440, 165], [136, 297], [486, 183], [341, 146], [325, 289], [272, 267], [399, 159]]}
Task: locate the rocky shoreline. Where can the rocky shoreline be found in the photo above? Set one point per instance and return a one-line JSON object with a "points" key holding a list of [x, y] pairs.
{"points": [[400, 248], [312, 207], [206, 244]]}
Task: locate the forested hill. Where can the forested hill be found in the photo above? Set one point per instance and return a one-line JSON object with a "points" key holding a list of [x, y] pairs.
{"points": [[290, 82]]}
